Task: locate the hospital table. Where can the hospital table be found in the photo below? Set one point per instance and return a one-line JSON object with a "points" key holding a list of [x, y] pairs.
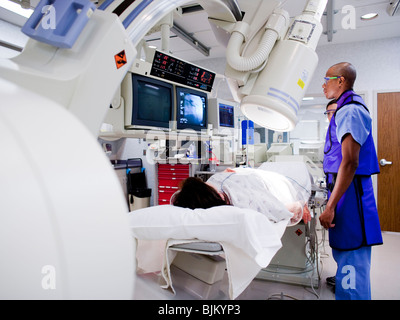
{"points": [[249, 240]]}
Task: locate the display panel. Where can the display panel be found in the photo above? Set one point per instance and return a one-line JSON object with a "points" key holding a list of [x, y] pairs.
{"points": [[191, 110], [173, 69], [226, 115], [152, 102], [221, 114]]}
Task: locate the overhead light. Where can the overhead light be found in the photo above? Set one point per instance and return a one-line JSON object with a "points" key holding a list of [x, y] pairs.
{"points": [[16, 8], [369, 16], [308, 98]]}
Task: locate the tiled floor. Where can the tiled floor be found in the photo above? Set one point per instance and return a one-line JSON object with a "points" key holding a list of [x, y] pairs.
{"points": [[272, 290], [385, 268], [385, 280]]}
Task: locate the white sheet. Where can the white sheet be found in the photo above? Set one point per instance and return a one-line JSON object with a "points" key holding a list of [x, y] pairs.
{"points": [[241, 268], [249, 239], [296, 172], [263, 191]]}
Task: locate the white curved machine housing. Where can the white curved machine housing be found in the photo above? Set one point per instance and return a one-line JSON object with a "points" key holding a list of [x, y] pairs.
{"points": [[271, 94], [63, 227]]}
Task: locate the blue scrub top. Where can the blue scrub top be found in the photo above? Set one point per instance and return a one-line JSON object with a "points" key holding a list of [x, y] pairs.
{"points": [[353, 119]]}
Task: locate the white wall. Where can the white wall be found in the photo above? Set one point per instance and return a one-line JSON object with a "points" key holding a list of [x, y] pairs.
{"points": [[377, 63]]}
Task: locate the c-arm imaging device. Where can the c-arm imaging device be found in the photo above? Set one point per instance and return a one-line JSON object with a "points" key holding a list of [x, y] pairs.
{"points": [[63, 230]]}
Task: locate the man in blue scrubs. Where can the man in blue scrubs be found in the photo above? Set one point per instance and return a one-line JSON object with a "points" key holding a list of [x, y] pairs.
{"points": [[350, 159]]}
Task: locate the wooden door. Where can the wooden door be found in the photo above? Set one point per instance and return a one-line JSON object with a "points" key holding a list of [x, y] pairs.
{"points": [[388, 134]]}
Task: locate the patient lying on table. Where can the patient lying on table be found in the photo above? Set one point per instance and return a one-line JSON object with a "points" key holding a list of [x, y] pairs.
{"points": [[267, 192], [246, 211]]}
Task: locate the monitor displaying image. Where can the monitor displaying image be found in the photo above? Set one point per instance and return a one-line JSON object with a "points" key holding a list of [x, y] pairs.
{"points": [[226, 115], [191, 109]]}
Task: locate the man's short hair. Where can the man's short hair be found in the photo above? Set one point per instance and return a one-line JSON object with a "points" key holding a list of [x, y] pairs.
{"points": [[346, 70], [330, 102]]}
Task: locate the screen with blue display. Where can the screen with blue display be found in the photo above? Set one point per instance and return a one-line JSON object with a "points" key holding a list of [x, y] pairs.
{"points": [[226, 116]]}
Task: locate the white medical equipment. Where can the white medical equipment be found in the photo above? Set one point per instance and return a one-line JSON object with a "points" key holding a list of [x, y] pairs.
{"points": [[313, 150], [279, 149], [221, 114], [297, 262], [272, 97], [69, 238], [260, 153], [63, 230]]}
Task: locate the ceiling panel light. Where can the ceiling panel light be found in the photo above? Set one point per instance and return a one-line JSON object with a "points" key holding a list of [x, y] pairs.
{"points": [[369, 16]]}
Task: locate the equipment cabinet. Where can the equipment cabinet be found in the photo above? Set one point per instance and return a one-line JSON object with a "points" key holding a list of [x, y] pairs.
{"points": [[169, 176]]}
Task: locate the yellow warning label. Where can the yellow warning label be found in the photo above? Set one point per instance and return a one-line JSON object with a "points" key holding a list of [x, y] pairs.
{"points": [[301, 83]]}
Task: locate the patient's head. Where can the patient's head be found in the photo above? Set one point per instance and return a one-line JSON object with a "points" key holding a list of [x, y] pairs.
{"points": [[194, 193]]}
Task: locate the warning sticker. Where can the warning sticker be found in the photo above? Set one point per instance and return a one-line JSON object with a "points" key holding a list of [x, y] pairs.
{"points": [[299, 232], [303, 79], [120, 59], [301, 83]]}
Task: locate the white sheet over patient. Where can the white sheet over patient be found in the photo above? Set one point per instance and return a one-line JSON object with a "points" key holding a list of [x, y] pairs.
{"points": [[248, 238], [264, 191]]}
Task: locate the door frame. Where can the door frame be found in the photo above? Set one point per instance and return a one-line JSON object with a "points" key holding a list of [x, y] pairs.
{"points": [[375, 130]]}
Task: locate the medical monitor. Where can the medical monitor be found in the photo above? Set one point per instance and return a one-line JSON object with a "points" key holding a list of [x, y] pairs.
{"points": [[151, 103], [313, 150], [222, 116], [181, 72], [279, 149], [191, 111]]}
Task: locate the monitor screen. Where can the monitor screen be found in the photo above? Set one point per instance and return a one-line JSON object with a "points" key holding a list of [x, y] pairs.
{"points": [[191, 109], [226, 115], [152, 102]]}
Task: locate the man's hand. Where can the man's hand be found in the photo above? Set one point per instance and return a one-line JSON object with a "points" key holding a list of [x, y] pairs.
{"points": [[326, 218]]}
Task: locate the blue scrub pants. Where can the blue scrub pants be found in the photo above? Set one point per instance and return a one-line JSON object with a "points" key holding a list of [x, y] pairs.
{"points": [[353, 274]]}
